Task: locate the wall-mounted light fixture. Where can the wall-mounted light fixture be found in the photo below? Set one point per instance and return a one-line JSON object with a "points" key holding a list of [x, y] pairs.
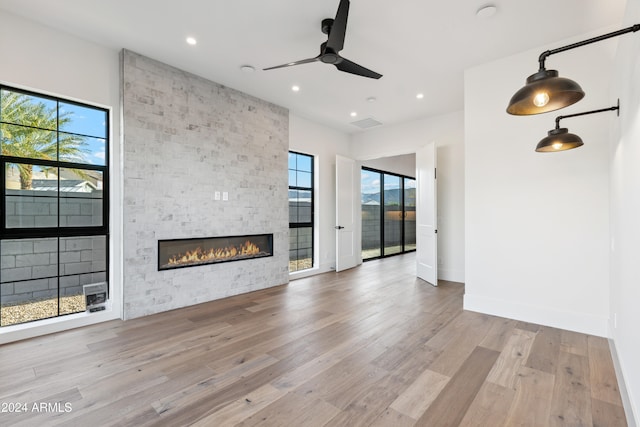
{"points": [[545, 91], [559, 139]]}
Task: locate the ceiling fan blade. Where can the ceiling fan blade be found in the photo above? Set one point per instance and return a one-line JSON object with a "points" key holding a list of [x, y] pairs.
{"points": [[291, 64], [353, 68], [339, 27]]}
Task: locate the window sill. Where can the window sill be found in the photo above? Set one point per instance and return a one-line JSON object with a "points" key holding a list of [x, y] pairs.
{"points": [[310, 272], [55, 324]]}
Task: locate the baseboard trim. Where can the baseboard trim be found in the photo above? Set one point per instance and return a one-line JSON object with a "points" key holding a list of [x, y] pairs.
{"points": [[578, 322], [312, 271], [629, 409], [451, 275]]}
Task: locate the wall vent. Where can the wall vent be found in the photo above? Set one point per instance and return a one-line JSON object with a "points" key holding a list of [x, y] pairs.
{"points": [[367, 123]]}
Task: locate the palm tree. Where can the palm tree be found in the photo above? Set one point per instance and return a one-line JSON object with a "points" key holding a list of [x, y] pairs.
{"points": [[28, 130]]}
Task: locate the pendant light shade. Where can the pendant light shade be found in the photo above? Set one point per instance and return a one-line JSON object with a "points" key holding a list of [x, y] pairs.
{"points": [[559, 140], [545, 91]]}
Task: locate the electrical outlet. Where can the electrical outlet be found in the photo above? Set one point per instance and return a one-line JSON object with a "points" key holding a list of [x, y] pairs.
{"points": [[225, 196], [216, 195]]}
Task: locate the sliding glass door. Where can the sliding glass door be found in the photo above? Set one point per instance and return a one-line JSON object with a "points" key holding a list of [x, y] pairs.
{"points": [[409, 214], [388, 214], [371, 214], [392, 226]]}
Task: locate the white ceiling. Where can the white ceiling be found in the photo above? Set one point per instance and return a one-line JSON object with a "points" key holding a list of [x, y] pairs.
{"points": [[420, 46]]}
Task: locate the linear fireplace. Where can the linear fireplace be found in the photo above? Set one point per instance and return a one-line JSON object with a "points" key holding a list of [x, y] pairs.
{"points": [[179, 253]]}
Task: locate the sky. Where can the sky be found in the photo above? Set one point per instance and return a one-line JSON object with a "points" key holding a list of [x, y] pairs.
{"points": [[370, 182], [84, 120], [90, 122]]}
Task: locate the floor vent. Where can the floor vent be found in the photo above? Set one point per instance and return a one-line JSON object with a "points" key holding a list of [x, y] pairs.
{"points": [[366, 123]]}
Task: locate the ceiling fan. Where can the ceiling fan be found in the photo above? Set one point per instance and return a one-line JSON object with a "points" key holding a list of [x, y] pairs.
{"points": [[335, 29]]}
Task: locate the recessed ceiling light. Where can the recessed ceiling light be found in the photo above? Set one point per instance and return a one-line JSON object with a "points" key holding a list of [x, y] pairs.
{"points": [[486, 11], [353, 114], [371, 99], [247, 68], [420, 95], [295, 88], [192, 41]]}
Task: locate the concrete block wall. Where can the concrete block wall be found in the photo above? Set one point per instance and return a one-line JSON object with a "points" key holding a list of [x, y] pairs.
{"points": [[370, 226], [371, 229], [186, 138], [302, 240], [29, 267], [25, 210]]}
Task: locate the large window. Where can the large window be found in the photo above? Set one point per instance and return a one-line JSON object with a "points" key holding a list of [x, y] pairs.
{"points": [[388, 213], [53, 204], [300, 211]]}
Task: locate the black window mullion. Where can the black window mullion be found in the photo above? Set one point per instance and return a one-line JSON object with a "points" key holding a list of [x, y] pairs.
{"points": [[58, 138], [53, 163], [58, 196], [382, 215], [3, 192], [402, 214], [58, 263]]}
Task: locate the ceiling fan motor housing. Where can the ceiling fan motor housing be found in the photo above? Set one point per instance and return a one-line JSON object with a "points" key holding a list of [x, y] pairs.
{"points": [[327, 23], [328, 55]]}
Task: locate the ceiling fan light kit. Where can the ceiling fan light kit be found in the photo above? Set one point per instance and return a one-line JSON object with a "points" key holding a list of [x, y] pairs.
{"points": [[330, 50], [546, 91]]}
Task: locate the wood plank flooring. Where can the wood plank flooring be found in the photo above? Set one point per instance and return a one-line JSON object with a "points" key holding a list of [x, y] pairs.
{"points": [[372, 346]]}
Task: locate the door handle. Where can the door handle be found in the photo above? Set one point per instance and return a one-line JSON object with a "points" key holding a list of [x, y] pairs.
{"points": [[338, 227]]}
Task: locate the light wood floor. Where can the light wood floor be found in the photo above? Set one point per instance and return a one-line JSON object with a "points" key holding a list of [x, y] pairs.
{"points": [[372, 346]]}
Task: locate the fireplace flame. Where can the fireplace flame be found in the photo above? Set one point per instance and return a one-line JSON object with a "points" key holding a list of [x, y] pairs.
{"points": [[198, 255]]}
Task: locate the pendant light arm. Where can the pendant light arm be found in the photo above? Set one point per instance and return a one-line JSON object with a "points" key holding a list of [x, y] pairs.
{"points": [[602, 110], [544, 55]]}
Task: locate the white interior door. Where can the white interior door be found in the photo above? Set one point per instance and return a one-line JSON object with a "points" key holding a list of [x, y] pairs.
{"points": [[347, 204], [426, 215]]}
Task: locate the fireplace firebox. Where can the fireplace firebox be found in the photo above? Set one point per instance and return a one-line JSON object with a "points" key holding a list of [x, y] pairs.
{"points": [[179, 253]]}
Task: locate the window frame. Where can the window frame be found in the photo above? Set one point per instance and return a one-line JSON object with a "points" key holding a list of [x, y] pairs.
{"points": [[59, 232], [34, 232], [311, 223]]}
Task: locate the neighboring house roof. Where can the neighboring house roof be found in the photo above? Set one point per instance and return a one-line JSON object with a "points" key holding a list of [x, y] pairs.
{"points": [[66, 185]]}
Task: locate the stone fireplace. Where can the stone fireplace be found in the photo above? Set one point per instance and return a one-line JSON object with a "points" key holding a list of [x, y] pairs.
{"points": [[180, 253], [186, 139]]}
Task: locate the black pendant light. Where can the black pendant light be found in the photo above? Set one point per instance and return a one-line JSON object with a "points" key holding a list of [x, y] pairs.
{"points": [[559, 139], [545, 91]]}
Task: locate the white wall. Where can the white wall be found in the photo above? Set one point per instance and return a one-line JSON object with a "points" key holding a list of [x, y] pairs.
{"points": [[404, 164], [55, 63], [324, 144], [625, 212], [447, 131], [537, 224]]}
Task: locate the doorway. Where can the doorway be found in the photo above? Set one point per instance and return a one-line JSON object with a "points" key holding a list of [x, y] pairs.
{"points": [[388, 202]]}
